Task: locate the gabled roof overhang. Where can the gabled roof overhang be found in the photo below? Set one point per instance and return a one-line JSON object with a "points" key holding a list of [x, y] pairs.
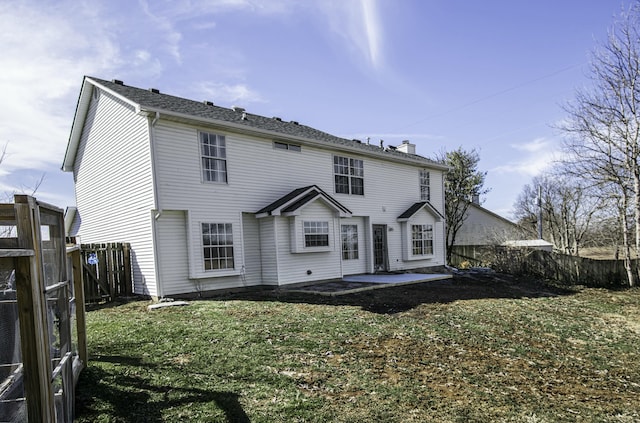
{"points": [[159, 112], [292, 203], [82, 108], [416, 207]]}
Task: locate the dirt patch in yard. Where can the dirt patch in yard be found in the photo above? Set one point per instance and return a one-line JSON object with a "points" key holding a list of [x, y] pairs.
{"points": [[395, 299]]}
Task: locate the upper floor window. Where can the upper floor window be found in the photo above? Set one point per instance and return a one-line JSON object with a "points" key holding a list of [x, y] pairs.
{"points": [[286, 146], [213, 150], [425, 190], [316, 234], [217, 244], [349, 175], [422, 239]]}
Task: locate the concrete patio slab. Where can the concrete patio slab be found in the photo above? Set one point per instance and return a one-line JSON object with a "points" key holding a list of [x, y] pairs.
{"points": [[358, 283]]}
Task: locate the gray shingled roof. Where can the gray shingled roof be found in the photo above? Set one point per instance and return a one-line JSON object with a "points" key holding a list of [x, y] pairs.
{"points": [[416, 207], [298, 198], [164, 102], [283, 200]]}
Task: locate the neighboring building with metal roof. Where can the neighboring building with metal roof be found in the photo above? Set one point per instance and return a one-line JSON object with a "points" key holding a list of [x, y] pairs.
{"points": [[212, 197], [484, 227]]}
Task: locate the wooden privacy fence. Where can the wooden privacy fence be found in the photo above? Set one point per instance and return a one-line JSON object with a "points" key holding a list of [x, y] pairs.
{"points": [[106, 271], [563, 268], [46, 296]]}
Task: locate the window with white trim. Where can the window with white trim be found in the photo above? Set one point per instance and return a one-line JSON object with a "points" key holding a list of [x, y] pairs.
{"points": [[217, 245], [348, 175], [425, 188], [286, 146], [213, 150], [422, 239], [316, 234], [349, 234]]}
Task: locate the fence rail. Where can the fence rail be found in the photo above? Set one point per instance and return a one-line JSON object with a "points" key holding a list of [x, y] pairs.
{"points": [[562, 268]]}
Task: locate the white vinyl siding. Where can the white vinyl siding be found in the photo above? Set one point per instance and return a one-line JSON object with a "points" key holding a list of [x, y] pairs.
{"points": [[309, 264], [252, 263], [269, 249], [423, 240], [179, 175], [173, 257], [114, 184]]}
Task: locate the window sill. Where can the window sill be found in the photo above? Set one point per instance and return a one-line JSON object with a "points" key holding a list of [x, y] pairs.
{"points": [[313, 250], [209, 274], [423, 257]]}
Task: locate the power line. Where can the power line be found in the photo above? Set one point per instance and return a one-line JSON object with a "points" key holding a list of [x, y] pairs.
{"points": [[495, 94]]}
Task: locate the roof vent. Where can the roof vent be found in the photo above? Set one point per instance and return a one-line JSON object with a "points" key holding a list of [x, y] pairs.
{"points": [[277, 118], [208, 103], [295, 122], [358, 141], [244, 116], [391, 148], [117, 81], [154, 90], [238, 109]]}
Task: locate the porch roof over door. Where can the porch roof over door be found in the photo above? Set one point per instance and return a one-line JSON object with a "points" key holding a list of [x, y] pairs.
{"points": [[291, 203]]}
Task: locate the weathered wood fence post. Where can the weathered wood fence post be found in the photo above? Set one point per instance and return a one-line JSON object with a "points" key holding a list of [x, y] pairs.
{"points": [[32, 314]]}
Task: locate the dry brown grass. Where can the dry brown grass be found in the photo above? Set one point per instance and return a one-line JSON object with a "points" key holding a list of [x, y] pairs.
{"points": [[472, 349]]}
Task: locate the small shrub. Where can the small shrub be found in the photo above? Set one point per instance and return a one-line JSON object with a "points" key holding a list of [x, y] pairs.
{"points": [[465, 264]]}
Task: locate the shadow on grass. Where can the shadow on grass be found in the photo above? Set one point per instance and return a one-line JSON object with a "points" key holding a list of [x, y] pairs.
{"points": [[132, 398], [396, 299]]}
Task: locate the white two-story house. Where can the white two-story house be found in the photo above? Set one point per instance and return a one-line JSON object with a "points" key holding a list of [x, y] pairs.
{"points": [[212, 197]]}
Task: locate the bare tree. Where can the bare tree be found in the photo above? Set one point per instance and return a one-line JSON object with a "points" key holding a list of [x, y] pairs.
{"points": [[567, 207], [463, 184], [24, 189], [603, 125]]}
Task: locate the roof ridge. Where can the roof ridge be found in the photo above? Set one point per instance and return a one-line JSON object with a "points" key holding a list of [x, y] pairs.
{"points": [[158, 100]]}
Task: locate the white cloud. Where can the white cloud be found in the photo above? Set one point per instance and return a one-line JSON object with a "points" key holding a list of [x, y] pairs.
{"points": [[44, 55], [219, 92], [176, 11], [358, 25], [535, 146], [169, 33], [371, 22], [535, 157]]}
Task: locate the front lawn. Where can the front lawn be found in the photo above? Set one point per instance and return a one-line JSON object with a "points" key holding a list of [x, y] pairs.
{"points": [[464, 350]]}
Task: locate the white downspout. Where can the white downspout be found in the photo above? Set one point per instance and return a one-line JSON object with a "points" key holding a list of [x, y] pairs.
{"points": [[156, 199]]}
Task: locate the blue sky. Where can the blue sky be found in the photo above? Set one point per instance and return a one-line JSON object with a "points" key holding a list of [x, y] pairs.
{"points": [[487, 75]]}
